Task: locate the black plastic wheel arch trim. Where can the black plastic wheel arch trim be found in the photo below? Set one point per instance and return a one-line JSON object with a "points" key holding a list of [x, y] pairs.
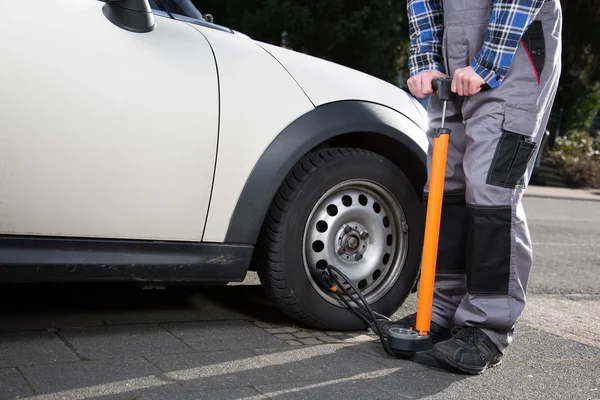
{"points": [[301, 136], [44, 259]]}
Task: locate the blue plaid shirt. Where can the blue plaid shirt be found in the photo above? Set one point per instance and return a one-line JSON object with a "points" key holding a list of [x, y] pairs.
{"points": [[508, 21]]}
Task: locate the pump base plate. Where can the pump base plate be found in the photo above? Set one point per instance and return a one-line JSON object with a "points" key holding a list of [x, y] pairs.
{"points": [[410, 344]]}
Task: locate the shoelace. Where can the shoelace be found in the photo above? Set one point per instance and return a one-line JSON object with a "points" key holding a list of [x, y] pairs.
{"points": [[466, 334]]}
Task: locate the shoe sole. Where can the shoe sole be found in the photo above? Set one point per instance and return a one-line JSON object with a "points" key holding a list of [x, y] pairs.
{"points": [[442, 359]]}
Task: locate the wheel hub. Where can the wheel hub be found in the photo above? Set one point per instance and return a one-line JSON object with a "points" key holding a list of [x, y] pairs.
{"points": [[358, 227], [352, 242]]}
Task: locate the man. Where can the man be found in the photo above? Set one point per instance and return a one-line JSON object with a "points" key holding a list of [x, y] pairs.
{"points": [[504, 58]]}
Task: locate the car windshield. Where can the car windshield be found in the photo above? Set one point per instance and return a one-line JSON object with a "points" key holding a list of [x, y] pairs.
{"points": [[182, 7]]}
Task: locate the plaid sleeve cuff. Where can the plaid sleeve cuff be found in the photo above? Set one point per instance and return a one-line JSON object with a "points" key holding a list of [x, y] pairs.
{"points": [[427, 67], [488, 75], [427, 61]]}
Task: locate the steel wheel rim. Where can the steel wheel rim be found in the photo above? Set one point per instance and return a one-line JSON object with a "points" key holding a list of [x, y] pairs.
{"points": [[359, 227]]}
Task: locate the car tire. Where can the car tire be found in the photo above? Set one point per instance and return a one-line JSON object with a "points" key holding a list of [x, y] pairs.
{"points": [[364, 188]]}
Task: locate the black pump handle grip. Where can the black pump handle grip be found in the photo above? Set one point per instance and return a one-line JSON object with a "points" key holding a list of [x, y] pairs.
{"points": [[443, 86], [441, 81]]}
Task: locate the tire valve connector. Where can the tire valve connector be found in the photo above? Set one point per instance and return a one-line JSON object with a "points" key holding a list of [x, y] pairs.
{"points": [[324, 279]]}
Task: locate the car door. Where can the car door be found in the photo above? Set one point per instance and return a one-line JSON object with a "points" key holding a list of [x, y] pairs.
{"points": [[104, 132]]}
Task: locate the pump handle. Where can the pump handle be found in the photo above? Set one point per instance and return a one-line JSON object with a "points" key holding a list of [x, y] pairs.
{"points": [[443, 86]]}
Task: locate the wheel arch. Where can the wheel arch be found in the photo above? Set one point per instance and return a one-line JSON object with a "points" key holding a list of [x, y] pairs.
{"points": [[364, 125]]}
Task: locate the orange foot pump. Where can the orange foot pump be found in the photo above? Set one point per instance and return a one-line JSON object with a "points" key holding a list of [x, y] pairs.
{"points": [[417, 344]]}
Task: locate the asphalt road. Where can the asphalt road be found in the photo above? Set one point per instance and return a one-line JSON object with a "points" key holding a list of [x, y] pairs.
{"points": [[119, 342]]}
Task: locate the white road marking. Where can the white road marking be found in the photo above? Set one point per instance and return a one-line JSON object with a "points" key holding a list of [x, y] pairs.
{"points": [[567, 244]]}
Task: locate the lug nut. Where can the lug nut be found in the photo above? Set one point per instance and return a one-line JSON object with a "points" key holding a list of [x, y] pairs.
{"points": [[347, 229], [364, 235], [340, 251], [358, 257], [352, 242]]}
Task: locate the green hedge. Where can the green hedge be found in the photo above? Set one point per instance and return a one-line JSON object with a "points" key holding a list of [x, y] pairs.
{"points": [[576, 157]]}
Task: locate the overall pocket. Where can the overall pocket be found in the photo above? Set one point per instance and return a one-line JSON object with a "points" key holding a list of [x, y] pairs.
{"points": [[514, 150], [535, 46]]}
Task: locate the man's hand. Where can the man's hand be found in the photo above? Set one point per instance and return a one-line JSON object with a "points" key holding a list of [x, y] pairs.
{"points": [[420, 84], [466, 82]]}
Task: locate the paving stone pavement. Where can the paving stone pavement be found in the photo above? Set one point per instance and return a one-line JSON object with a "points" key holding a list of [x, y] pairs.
{"points": [[244, 357], [230, 342]]}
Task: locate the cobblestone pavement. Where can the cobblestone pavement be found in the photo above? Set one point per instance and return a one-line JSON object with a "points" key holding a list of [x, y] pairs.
{"points": [[230, 342], [296, 336]]}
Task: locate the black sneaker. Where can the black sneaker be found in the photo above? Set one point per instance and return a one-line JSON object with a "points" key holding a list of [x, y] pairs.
{"points": [[438, 333], [469, 350]]}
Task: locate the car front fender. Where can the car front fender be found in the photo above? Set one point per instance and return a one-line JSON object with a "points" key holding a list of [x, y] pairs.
{"points": [[324, 123]]}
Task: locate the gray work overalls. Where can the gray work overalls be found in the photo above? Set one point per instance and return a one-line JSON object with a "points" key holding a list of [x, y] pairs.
{"points": [[485, 253]]}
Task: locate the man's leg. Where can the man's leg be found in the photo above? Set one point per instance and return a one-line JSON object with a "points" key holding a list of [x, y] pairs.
{"points": [[450, 278], [504, 127]]}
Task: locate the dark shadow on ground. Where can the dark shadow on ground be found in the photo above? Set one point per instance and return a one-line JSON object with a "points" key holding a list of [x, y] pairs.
{"points": [[114, 303], [249, 300]]}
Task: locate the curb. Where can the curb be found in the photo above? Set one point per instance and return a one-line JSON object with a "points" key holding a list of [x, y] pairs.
{"points": [[561, 197]]}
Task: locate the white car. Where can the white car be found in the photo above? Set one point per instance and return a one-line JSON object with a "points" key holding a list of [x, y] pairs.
{"points": [[140, 142]]}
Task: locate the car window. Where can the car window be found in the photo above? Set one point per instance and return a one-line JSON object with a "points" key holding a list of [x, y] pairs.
{"points": [[184, 10], [157, 9], [182, 7]]}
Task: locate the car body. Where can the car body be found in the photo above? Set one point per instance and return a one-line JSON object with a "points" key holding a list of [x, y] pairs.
{"points": [[156, 152]]}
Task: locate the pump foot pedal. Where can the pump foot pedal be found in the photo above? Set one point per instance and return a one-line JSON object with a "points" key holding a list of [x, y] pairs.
{"points": [[410, 344]]}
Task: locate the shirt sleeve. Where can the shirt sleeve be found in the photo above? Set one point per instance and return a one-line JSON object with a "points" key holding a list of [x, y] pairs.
{"points": [[425, 18], [508, 22]]}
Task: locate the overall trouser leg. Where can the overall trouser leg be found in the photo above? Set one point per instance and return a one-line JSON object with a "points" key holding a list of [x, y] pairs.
{"points": [[503, 128]]}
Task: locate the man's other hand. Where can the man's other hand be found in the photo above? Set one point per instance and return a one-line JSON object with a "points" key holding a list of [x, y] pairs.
{"points": [[466, 82], [420, 84]]}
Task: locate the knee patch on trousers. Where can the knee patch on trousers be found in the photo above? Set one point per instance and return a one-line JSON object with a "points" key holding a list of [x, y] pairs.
{"points": [[514, 150], [451, 256], [489, 244]]}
